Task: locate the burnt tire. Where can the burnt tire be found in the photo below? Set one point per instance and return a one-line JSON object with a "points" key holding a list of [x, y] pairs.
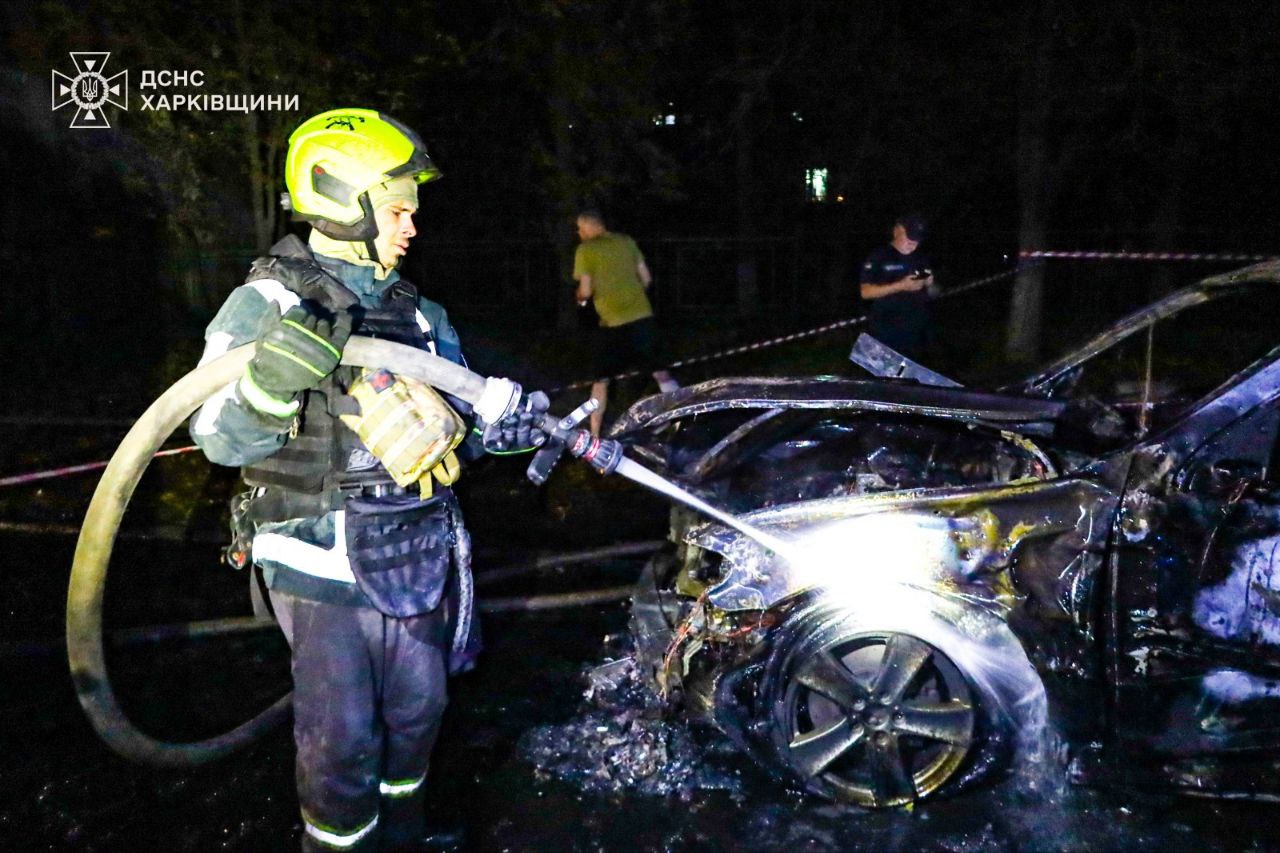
{"points": [[876, 718]]}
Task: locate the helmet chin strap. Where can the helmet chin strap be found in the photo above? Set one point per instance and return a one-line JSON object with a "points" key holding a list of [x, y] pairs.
{"points": [[372, 246]]}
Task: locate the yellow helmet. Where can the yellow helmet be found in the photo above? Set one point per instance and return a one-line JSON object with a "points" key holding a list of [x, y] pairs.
{"points": [[333, 160]]}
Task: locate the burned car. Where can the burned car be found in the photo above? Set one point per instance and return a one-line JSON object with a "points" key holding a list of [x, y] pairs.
{"points": [[1090, 551]]}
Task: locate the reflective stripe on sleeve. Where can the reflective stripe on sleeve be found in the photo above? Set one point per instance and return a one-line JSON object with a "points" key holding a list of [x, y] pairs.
{"points": [[207, 418], [328, 563], [425, 326], [273, 291], [400, 787], [338, 840], [215, 347]]}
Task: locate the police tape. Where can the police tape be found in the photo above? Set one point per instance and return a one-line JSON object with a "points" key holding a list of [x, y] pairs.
{"points": [[982, 282], [60, 421], [784, 339], [725, 353], [21, 479], [1095, 255]]}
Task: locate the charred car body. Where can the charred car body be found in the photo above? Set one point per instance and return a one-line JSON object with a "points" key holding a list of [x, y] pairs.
{"points": [[1095, 545]]}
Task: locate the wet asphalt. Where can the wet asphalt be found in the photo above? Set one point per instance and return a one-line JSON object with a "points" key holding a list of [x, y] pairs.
{"points": [[62, 789]]}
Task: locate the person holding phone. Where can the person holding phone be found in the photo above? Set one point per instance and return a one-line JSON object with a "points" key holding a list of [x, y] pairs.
{"points": [[898, 282]]}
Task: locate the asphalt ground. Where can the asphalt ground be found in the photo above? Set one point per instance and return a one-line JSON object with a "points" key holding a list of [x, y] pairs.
{"points": [[62, 789]]}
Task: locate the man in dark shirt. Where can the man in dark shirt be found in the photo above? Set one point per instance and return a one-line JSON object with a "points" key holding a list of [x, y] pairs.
{"points": [[897, 281]]}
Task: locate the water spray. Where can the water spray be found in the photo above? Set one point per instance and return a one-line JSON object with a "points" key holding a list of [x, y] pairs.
{"points": [[606, 456]]}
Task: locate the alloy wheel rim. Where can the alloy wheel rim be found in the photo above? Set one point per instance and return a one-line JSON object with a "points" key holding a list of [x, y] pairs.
{"points": [[880, 719]]}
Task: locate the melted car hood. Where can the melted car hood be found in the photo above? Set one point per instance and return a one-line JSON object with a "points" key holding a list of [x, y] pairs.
{"points": [[819, 392]]}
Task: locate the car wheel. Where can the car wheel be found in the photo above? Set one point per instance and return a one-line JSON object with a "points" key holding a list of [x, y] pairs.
{"points": [[873, 718]]}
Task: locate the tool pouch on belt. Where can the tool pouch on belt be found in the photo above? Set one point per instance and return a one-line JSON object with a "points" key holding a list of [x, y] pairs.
{"points": [[238, 550], [408, 427], [399, 548]]}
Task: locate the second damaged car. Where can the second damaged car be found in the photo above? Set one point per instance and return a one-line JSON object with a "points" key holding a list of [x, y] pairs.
{"points": [[1092, 550]]}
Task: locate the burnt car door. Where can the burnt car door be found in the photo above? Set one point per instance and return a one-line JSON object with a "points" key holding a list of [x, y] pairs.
{"points": [[1195, 602]]}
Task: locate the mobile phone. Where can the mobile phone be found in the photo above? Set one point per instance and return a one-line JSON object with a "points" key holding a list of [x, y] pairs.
{"points": [[922, 273]]}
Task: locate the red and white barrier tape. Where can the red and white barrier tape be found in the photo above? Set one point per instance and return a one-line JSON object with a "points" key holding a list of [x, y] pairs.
{"points": [[20, 479], [1092, 255], [783, 339], [980, 282], [725, 353]]}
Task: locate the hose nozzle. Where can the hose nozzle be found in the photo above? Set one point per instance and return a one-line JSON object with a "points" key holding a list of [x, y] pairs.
{"points": [[601, 454]]}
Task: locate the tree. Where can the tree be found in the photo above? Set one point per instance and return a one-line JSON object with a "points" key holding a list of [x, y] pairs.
{"points": [[586, 74]]}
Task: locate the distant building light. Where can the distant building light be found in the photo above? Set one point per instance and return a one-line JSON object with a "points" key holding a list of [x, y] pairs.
{"points": [[671, 119], [797, 116], [815, 184], [840, 198], [657, 120]]}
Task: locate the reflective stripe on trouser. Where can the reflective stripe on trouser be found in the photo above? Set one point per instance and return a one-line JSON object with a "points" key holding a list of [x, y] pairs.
{"points": [[369, 691], [329, 837], [397, 788]]}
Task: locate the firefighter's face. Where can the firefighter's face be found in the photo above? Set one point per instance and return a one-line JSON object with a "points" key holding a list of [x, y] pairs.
{"points": [[395, 230]]}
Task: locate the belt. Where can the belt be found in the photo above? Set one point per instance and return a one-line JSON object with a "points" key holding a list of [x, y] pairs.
{"points": [[381, 490]]}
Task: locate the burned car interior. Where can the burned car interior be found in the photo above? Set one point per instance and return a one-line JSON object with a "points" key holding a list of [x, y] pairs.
{"points": [[1090, 551]]}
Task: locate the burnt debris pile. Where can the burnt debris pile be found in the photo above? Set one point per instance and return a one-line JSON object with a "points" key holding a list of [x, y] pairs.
{"points": [[620, 742]]}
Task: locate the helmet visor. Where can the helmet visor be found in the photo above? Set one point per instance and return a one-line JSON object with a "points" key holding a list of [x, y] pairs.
{"points": [[419, 165]]}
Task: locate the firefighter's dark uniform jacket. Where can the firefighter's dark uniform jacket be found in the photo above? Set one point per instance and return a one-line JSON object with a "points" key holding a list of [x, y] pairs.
{"points": [[356, 571], [301, 543]]}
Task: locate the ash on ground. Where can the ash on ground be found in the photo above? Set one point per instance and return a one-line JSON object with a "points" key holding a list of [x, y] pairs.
{"points": [[619, 741]]}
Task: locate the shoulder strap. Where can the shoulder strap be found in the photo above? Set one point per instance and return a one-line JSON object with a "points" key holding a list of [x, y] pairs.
{"points": [[306, 278], [405, 290]]}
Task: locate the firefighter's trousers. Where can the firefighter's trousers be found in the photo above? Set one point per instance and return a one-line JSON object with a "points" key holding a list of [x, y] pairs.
{"points": [[368, 694]]}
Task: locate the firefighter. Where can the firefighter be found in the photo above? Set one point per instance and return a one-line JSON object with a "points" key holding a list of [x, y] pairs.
{"points": [[350, 518]]}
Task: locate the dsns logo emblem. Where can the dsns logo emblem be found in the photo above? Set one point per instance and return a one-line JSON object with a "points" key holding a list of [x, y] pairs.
{"points": [[90, 90]]}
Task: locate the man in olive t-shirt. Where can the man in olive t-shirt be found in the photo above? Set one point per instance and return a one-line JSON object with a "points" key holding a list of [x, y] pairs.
{"points": [[611, 271]]}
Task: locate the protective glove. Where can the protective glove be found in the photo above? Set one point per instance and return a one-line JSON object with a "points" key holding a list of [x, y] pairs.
{"points": [[295, 353], [521, 430]]}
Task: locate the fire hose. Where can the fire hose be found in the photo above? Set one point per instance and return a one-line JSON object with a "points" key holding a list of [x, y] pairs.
{"points": [[85, 647]]}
